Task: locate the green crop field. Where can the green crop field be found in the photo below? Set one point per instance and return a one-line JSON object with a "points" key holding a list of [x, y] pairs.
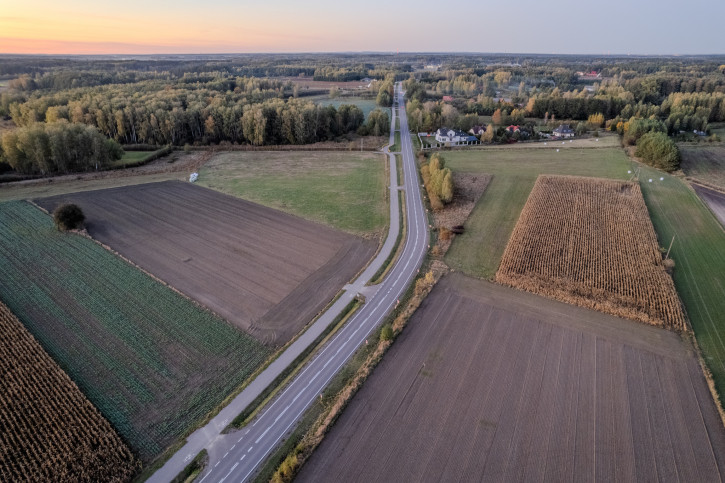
{"points": [[699, 255], [705, 163], [153, 362], [478, 251], [344, 190]]}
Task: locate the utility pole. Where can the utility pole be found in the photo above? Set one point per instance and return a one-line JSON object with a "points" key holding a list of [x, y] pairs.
{"points": [[670, 248]]}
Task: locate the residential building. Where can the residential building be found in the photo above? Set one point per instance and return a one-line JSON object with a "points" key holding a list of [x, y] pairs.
{"points": [[454, 137], [563, 131]]}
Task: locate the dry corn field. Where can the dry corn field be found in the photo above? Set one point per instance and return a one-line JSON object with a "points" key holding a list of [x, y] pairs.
{"points": [[49, 431], [590, 242]]}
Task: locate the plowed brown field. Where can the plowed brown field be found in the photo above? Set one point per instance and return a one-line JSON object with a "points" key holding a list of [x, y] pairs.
{"points": [[492, 384], [267, 272], [590, 242], [49, 431]]}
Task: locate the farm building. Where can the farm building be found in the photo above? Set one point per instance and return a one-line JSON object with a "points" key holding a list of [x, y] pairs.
{"points": [[564, 131]]}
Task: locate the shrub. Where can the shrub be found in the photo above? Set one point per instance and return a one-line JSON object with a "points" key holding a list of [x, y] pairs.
{"points": [[68, 217], [658, 150], [387, 332]]}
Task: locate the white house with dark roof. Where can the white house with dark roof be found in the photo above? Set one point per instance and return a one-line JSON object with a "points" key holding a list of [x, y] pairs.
{"points": [[454, 137], [563, 131]]}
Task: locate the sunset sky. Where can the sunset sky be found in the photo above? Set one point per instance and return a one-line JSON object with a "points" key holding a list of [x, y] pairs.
{"points": [[225, 26]]}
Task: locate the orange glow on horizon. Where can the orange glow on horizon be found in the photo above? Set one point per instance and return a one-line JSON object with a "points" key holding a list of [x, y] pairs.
{"points": [[87, 29]]}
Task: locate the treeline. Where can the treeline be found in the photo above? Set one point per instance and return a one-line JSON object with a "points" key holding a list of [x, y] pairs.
{"points": [[680, 111], [69, 79], [438, 181], [59, 147], [197, 109], [686, 95], [386, 92], [331, 67], [341, 74]]}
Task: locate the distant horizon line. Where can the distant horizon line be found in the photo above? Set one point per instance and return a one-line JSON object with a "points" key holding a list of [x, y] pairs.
{"points": [[360, 52]]}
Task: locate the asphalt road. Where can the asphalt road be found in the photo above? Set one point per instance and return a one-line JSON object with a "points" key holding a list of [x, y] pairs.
{"points": [[237, 456]]}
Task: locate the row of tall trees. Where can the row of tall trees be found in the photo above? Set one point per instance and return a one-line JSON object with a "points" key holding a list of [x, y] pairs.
{"points": [[438, 181], [59, 147], [240, 110]]}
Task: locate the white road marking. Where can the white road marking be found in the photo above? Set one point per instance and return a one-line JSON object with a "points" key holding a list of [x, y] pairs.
{"points": [[384, 304], [230, 472], [225, 455], [263, 434]]}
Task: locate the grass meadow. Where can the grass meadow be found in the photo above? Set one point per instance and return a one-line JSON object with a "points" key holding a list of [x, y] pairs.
{"points": [[698, 251], [366, 105], [131, 157], [344, 190]]}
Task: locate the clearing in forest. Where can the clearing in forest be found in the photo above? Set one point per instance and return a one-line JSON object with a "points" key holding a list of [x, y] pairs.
{"points": [[590, 242]]}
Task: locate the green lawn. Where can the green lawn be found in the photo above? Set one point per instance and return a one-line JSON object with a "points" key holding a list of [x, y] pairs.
{"points": [[366, 105], [152, 361], [345, 190], [478, 251], [699, 254], [705, 162], [131, 157], [718, 128], [396, 147]]}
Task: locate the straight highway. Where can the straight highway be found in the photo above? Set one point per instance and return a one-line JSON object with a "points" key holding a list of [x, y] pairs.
{"points": [[235, 457]]}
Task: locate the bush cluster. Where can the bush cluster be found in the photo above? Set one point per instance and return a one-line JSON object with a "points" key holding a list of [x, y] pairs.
{"points": [[658, 150], [68, 217]]}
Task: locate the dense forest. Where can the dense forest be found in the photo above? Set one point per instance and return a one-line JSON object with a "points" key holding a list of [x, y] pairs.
{"points": [[257, 100]]}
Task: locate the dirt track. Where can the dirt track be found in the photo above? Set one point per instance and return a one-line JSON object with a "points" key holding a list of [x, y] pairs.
{"points": [[714, 199], [492, 384], [265, 271]]}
